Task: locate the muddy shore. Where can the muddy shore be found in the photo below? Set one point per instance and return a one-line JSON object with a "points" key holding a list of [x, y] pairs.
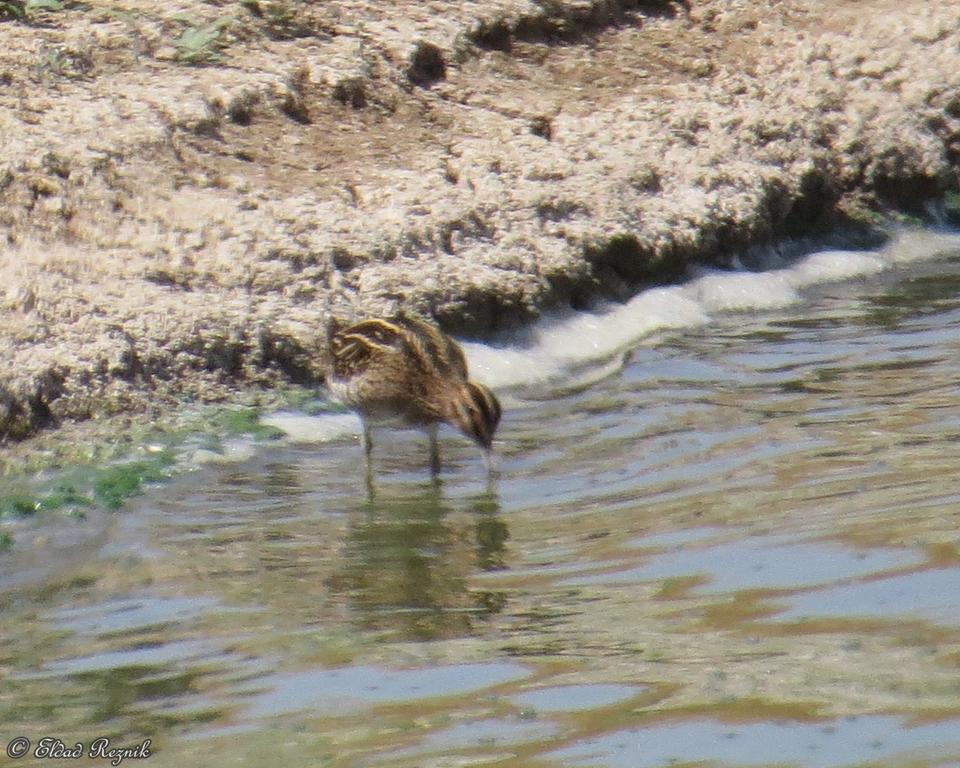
{"points": [[188, 191]]}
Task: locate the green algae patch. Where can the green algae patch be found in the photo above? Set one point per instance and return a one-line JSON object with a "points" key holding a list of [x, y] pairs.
{"points": [[17, 506], [82, 487], [117, 484], [105, 468], [25, 504], [951, 202], [236, 422]]}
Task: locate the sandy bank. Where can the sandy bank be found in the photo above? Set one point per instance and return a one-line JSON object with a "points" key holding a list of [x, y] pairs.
{"points": [[187, 191]]}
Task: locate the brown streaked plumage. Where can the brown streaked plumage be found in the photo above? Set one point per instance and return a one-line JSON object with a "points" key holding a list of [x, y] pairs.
{"points": [[406, 371]]}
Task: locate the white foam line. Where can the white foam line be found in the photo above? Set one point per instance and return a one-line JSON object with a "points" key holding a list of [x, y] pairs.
{"points": [[556, 347], [233, 452], [323, 428], [559, 344], [921, 245], [835, 266]]}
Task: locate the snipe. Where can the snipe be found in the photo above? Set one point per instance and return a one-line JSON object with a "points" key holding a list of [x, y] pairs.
{"points": [[406, 372]]}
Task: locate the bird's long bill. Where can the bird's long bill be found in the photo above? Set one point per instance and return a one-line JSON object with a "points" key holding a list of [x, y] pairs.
{"points": [[477, 413]]}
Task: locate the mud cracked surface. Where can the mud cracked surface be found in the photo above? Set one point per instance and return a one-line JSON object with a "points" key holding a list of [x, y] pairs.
{"points": [[188, 191]]}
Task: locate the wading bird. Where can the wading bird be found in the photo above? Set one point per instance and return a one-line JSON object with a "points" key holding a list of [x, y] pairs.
{"points": [[406, 372]]}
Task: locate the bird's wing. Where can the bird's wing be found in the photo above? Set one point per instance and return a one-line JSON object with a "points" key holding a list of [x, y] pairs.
{"points": [[353, 347], [434, 347]]}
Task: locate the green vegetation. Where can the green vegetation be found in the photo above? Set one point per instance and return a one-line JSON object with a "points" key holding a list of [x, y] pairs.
{"points": [[201, 44], [279, 18], [244, 421], [951, 201], [198, 42], [108, 486], [109, 474], [64, 62], [11, 9], [21, 9], [305, 400], [18, 506], [905, 219], [117, 484], [64, 495], [58, 497]]}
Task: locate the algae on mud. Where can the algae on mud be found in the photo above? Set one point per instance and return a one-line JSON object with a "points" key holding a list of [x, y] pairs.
{"points": [[103, 470]]}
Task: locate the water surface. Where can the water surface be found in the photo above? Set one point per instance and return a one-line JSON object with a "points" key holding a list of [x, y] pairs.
{"points": [[725, 530]]}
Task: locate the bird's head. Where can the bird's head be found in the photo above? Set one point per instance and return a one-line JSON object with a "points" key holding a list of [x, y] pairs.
{"points": [[475, 411]]}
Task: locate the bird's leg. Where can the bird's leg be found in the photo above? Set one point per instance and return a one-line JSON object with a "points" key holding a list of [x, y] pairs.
{"points": [[434, 450], [371, 486], [366, 441]]}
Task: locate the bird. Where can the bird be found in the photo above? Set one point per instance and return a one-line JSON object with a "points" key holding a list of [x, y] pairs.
{"points": [[405, 371]]}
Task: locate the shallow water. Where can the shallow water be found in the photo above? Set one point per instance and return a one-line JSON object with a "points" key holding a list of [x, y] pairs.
{"points": [[725, 529]]}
